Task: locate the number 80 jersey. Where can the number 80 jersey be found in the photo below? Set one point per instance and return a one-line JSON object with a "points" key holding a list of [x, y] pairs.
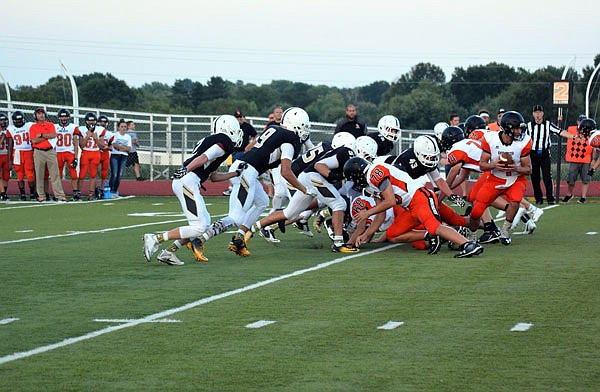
{"points": [[65, 137]]}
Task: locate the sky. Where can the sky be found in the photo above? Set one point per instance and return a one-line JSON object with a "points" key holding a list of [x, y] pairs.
{"points": [[330, 42]]}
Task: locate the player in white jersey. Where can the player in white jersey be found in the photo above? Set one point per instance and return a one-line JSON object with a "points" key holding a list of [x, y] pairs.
{"points": [[5, 157], [92, 138], [365, 230], [22, 154], [67, 149], [104, 155]]}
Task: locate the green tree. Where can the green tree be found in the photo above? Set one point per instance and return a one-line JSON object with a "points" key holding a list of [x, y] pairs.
{"points": [[476, 83], [409, 81]]}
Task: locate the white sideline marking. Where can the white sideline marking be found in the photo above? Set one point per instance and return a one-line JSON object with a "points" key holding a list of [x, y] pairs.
{"points": [[521, 327], [36, 204], [8, 320], [591, 233], [391, 325], [158, 204], [260, 324], [23, 231], [120, 321], [159, 214], [72, 233], [108, 204], [191, 305]]}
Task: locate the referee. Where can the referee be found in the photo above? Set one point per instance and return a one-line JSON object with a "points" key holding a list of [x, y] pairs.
{"points": [[540, 131]]}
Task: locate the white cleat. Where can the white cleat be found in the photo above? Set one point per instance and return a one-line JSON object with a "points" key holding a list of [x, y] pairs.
{"points": [[150, 246], [530, 226], [500, 214], [537, 214], [169, 258], [517, 218]]}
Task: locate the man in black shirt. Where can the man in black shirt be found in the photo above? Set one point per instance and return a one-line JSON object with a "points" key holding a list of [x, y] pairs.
{"points": [[352, 124], [249, 135]]}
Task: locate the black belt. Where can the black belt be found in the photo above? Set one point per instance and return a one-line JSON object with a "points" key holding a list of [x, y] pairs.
{"points": [[43, 149]]}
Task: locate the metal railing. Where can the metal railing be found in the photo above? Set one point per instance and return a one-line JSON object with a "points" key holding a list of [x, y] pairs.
{"points": [[166, 140]]}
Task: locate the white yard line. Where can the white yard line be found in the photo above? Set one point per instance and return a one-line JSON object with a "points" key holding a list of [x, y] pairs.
{"points": [[191, 305], [36, 204]]}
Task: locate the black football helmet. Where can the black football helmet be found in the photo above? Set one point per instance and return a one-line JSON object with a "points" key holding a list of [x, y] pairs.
{"points": [[18, 118], [102, 120], [472, 123], [3, 120], [511, 122], [450, 136], [64, 117], [355, 169], [90, 120], [586, 127]]}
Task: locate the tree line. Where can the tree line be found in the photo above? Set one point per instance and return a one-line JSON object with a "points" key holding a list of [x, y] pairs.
{"points": [[420, 98]]}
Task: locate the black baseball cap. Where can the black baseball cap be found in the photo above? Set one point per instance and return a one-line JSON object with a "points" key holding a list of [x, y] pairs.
{"points": [[238, 114], [538, 108]]}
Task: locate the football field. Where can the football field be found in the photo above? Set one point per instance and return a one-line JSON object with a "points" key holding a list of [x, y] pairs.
{"points": [[81, 309]]}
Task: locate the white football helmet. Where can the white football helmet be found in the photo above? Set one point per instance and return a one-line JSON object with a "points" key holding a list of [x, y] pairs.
{"points": [[230, 126], [296, 120], [439, 128], [344, 139], [427, 151], [366, 147], [389, 127]]}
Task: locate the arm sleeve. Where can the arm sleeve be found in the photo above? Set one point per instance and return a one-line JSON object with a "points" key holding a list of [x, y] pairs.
{"points": [[287, 151], [331, 162], [214, 151]]}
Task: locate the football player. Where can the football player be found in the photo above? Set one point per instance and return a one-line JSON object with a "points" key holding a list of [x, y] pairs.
{"points": [[104, 155], [207, 156], [6, 151], [22, 154], [388, 134], [594, 140], [91, 141], [67, 149]]}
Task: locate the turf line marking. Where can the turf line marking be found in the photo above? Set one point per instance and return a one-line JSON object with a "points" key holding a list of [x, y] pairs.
{"points": [[8, 320], [191, 305], [591, 233], [260, 324], [542, 208], [72, 233], [121, 321], [53, 203], [391, 325], [521, 327]]}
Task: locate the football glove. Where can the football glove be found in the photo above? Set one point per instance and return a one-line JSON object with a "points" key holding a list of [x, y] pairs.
{"points": [[457, 200], [591, 172], [179, 173], [334, 176], [74, 163], [241, 167]]}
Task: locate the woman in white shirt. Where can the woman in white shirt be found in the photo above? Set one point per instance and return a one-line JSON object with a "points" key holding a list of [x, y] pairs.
{"points": [[121, 146]]}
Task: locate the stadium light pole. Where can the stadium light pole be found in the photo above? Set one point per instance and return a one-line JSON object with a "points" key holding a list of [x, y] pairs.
{"points": [[7, 88], [74, 92], [588, 89]]}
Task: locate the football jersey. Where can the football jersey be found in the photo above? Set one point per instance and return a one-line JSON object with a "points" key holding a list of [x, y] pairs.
{"points": [[65, 137], [380, 176], [384, 146], [20, 137], [266, 153], [312, 155], [477, 134], [91, 144], [594, 139], [466, 151], [361, 202], [342, 155], [220, 139], [492, 144], [408, 162], [3, 143]]}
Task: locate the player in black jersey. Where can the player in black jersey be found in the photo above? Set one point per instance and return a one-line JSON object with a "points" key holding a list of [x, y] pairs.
{"points": [[319, 177], [388, 134], [277, 145], [206, 157]]}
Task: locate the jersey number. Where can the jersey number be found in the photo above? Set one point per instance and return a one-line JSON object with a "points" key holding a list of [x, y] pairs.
{"points": [[263, 138], [311, 154]]}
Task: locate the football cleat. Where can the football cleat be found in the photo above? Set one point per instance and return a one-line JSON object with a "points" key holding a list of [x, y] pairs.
{"points": [[268, 234], [500, 214], [23, 197], [150, 246], [238, 246], [435, 243], [346, 248], [489, 237], [505, 237], [537, 214], [469, 249], [530, 226], [281, 225], [304, 228], [197, 248], [329, 228], [169, 258], [517, 218], [319, 219]]}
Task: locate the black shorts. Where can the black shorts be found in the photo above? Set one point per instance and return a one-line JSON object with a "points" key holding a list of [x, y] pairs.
{"points": [[132, 158]]}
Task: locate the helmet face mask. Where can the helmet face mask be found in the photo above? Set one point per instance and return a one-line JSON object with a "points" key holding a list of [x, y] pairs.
{"points": [[90, 121], [586, 127], [18, 119], [64, 116], [343, 139], [355, 170], [513, 125], [427, 151], [296, 120], [229, 126], [3, 120], [102, 120], [366, 148], [389, 127]]}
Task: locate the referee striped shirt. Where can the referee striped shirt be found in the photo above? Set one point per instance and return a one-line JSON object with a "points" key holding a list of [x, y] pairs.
{"points": [[540, 134]]}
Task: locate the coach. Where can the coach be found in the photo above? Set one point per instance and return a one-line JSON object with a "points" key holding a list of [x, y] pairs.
{"points": [[43, 135], [540, 130]]}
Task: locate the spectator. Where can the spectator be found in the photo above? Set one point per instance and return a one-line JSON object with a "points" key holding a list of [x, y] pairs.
{"points": [[540, 130], [352, 124], [454, 120], [67, 149], [22, 154], [132, 158], [495, 126], [5, 157], [121, 145], [249, 135], [579, 155], [277, 113], [43, 141], [486, 115], [271, 119]]}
